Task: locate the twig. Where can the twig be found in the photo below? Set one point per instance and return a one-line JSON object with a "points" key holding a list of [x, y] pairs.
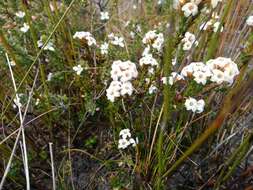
{"points": [[52, 164]]}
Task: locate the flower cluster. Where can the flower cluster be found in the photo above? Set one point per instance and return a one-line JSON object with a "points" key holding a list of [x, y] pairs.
{"points": [[223, 70], [154, 39], [104, 16], [87, 36], [188, 41], [218, 70], [122, 73], [190, 8], [125, 139], [78, 69], [148, 59], [198, 70], [49, 45], [194, 105], [116, 40]]}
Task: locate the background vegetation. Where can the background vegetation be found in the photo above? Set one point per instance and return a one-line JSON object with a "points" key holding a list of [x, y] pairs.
{"points": [[65, 133]]}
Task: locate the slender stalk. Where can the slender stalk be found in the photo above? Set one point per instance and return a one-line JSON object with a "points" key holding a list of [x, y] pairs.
{"points": [[52, 165], [21, 118]]}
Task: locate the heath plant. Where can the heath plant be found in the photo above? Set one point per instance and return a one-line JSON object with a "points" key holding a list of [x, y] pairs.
{"points": [[116, 94]]}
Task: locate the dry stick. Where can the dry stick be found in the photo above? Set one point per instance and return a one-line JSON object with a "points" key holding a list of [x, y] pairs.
{"points": [[23, 136], [52, 164]]}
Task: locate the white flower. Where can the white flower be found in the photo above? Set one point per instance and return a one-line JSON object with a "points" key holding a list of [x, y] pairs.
{"points": [[17, 100], [200, 77], [200, 106], [87, 36], [126, 88], [133, 142], [151, 70], [191, 104], [187, 71], [78, 69], [132, 34], [148, 60], [123, 144], [146, 51], [158, 43], [249, 21], [214, 3], [25, 28], [104, 16], [49, 45], [104, 48], [154, 39], [222, 70], [20, 14], [118, 41], [122, 73], [125, 133], [152, 89], [190, 9], [125, 139], [12, 63], [49, 76], [188, 40], [216, 26], [217, 76], [187, 46], [37, 101]]}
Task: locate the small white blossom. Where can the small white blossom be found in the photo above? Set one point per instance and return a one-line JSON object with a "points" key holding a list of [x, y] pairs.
{"points": [[152, 89], [249, 21], [125, 133], [49, 76], [118, 41], [49, 45], [25, 28], [104, 16], [191, 104], [104, 48], [154, 39], [123, 143], [216, 26], [17, 101], [125, 139], [78, 69], [190, 9], [148, 60], [189, 40], [20, 14], [87, 36]]}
